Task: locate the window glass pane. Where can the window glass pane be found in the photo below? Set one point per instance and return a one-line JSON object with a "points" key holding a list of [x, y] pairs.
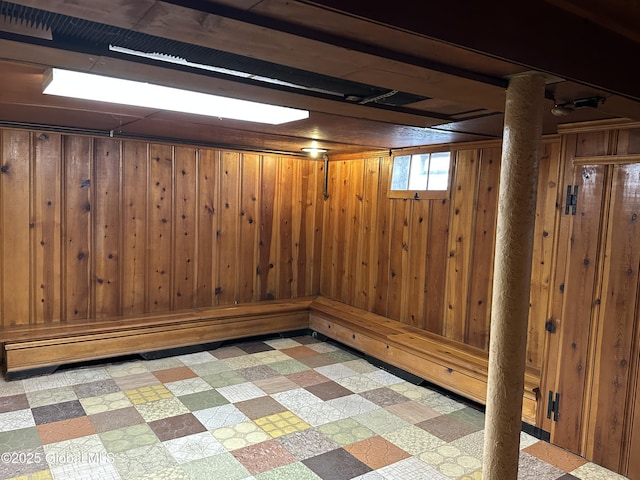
{"points": [[400, 174], [419, 172], [439, 171]]}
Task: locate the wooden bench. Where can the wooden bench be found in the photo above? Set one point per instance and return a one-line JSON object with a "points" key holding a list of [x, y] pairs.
{"points": [[35, 349], [458, 367]]}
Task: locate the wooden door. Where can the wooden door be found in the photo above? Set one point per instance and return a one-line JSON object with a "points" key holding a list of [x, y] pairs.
{"points": [[573, 322], [597, 325]]}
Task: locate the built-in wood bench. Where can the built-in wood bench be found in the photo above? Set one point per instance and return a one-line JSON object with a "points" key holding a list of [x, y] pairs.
{"points": [[453, 365], [43, 348]]}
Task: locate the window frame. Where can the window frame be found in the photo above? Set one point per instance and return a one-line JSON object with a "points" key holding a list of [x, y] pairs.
{"points": [[423, 194]]}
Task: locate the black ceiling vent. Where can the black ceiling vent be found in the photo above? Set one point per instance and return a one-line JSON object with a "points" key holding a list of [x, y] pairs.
{"points": [[96, 38]]}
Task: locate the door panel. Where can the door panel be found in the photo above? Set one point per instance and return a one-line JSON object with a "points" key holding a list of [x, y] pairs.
{"points": [[616, 320], [574, 322]]}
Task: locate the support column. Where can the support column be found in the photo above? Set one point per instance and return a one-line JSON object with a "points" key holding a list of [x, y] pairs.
{"points": [[512, 275]]}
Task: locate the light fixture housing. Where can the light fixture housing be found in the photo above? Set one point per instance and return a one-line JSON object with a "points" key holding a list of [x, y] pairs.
{"points": [[314, 151], [100, 88]]}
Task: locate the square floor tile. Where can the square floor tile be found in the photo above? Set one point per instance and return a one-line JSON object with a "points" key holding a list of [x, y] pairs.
{"points": [[143, 461], [24, 464], [193, 447], [288, 367], [381, 421], [318, 360], [188, 386], [293, 471], [227, 352], [346, 431], [275, 385], [336, 465], [160, 409], [254, 347], [95, 388], [50, 396], [385, 397], [590, 471], [414, 440], [411, 469], [532, 468], [13, 403], [353, 404], [16, 420], [225, 466], [263, 456], [470, 416], [115, 419], [328, 390], [307, 378], [559, 457], [19, 439], [195, 358], [176, 426], [446, 428], [221, 416], [203, 400], [282, 343], [65, 430], [224, 379], [282, 423], [105, 403], [260, 407], [174, 374], [413, 412], [258, 372], [451, 461], [296, 398], [241, 392], [123, 439], [138, 380], [336, 371], [376, 452], [150, 393], [318, 413], [212, 367], [240, 435], [299, 352], [57, 412], [307, 443], [359, 383]]}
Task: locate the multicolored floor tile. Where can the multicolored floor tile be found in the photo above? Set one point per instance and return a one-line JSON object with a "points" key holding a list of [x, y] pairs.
{"points": [[270, 409]]}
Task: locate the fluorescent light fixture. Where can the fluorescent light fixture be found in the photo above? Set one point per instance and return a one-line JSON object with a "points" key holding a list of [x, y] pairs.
{"points": [[314, 151], [88, 86]]}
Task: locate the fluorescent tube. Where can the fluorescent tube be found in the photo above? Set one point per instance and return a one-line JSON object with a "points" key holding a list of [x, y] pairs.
{"points": [[88, 86]]}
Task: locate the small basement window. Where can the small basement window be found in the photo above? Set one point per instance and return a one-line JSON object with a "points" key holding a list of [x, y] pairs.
{"points": [[421, 176]]}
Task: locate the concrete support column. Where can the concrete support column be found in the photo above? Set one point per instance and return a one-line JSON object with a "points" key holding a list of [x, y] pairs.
{"points": [[512, 275]]}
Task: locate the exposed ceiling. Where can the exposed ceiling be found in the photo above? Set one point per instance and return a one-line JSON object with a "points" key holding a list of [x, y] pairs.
{"points": [[373, 75]]}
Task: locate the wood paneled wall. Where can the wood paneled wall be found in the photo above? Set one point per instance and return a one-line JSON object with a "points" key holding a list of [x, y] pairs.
{"points": [[94, 227], [428, 263]]}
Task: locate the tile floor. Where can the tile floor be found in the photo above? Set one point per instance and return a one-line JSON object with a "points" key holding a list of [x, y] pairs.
{"points": [[274, 409]]}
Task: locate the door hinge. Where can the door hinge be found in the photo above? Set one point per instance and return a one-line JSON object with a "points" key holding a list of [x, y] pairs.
{"points": [[571, 203], [553, 406]]}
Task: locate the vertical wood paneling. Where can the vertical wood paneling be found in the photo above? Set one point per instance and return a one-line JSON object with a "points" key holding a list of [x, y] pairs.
{"points": [[47, 208], [367, 249], [437, 256], [383, 240], [94, 228], [417, 264], [340, 196], [268, 227], [481, 267], [135, 163], [78, 153], [106, 216], [543, 248], [617, 319], [228, 228], [15, 236], [207, 209], [284, 244], [461, 242], [159, 228], [354, 231], [185, 228], [398, 258], [249, 221]]}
